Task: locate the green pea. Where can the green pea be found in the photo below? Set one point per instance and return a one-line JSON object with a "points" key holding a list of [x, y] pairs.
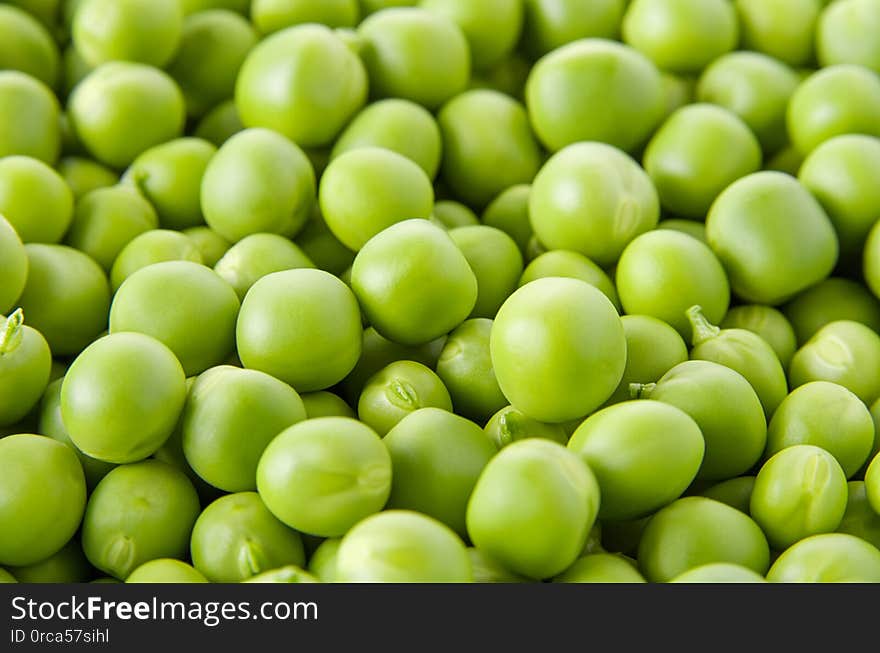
{"points": [[567, 87], [29, 118], [725, 407], [860, 519], [845, 34], [324, 85], [326, 404], [51, 425], [397, 125], [496, 262], [148, 248], [565, 263], [682, 157], [769, 266], [509, 425], [211, 245], [193, 6], [229, 418], [481, 128], [34, 199], [719, 572], [829, 301], [450, 214], [146, 31], [413, 283], [663, 273], [841, 99], [735, 492], [27, 46], [107, 219], [550, 24], [219, 124], [213, 46], [272, 15], [695, 531], [401, 546], [165, 570], [827, 558], [601, 568], [13, 265], [255, 256], [782, 29], [842, 352], [532, 508], [286, 574], [681, 36], [66, 298], [396, 391], [692, 228], [465, 367], [311, 348], [767, 322], [69, 565], [544, 365], [122, 396], [437, 458], [787, 160], [372, 6], [644, 454], [323, 248], [236, 538], [322, 564], [122, 109], [742, 351], [369, 189], [416, 55], [84, 175], [137, 513], [678, 91], [487, 570], [44, 496], [509, 212]]}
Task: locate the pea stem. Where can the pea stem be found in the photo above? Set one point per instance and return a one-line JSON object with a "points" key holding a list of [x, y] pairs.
{"points": [[10, 336], [703, 329], [641, 390]]}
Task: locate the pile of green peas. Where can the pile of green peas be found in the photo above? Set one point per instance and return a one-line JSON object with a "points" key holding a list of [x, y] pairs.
{"points": [[580, 291]]}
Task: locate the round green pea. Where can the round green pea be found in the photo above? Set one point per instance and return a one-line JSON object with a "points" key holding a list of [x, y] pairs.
{"points": [[601, 568], [846, 33], [322, 563], [323, 248], [150, 247], [193, 6], [145, 31], [137, 513], [754, 86], [550, 24], [595, 90], [213, 46], [66, 297], [750, 227], [34, 199], [509, 425], [734, 492], [401, 546], [450, 214], [219, 124], [262, 177], [236, 538], [839, 173], [165, 570], [842, 352], [800, 491], [830, 301], [13, 265], [83, 175], [841, 99], [767, 322], [416, 55], [107, 219], [301, 326], [644, 455], [692, 228], [872, 483], [396, 391], [437, 458], [211, 245], [25, 364], [165, 301], [27, 46], [725, 407], [122, 396], [565, 263], [544, 365], [122, 109], [860, 519], [719, 572], [782, 29], [272, 15], [532, 508], [696, 531], [30, 120], [481, 128], [44, 494], [368, 189], [413, 283], [69, 565], [681, 36], [827, 558], [487, 570], [509, 212], [682, 157], [286, 574], [663, 273], [304, 83], [326, 404], [255, 256], [496, 262]]}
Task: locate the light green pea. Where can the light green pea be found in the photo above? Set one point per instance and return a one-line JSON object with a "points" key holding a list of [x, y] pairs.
{"points": [[495, 261], [219, 124], [84, 175], [783, 29], [165, 570], [827, 558], [719, 572], [565, 263], [509, 211], [845, 34], [601, 568], [860, 519], [272, 15], [30, 120], [690, 227], [450, 214], [255, 256], [767, 322], [735, 492], [27, 45], [34, 199], [550, 24], [211, 245]]}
